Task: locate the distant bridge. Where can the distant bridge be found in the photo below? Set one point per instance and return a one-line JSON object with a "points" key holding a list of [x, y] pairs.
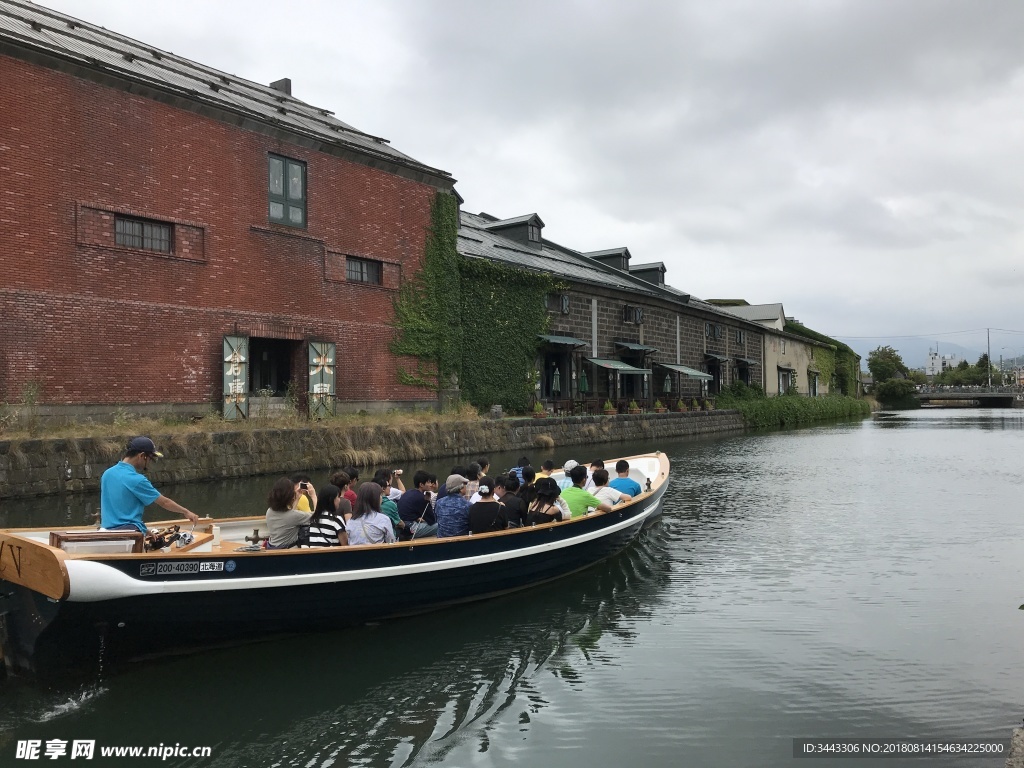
{"points": [[979, 397]]}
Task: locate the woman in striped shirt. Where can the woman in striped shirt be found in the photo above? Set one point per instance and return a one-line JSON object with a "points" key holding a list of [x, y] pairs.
{"points": [[327, 525]]}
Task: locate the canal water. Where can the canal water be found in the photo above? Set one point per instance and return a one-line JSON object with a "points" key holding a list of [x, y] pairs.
{"points": [[855, 580]]}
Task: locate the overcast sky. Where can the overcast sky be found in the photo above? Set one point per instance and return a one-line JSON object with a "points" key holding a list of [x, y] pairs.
{"points": [[858, 160]]}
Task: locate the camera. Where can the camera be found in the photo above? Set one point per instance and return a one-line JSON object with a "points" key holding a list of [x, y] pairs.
{"points": [[304, 485]]}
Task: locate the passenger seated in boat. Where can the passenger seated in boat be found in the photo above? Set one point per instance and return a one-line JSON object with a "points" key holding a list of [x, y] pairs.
{"points": [[485, 465], [565, 482], [546, 468], [605, 492], [327, 524], [283, 520], [416, 510], [368, 525], [452, 509], [387, 504], [623, 482], [488, 514], [544, 509], [443, 490], [579, 500], [306, 500], [595, 465], [527, 490], [505, 487], [518, 469], [342, 480], [353, 483], [473, 473]]}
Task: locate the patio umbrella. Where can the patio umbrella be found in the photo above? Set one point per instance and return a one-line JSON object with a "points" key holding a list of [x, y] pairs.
{"points": [[668, 383], [556, 382], [584, 384]]}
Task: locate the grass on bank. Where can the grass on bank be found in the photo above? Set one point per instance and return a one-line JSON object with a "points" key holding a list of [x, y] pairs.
{"points": [[789, 410]]}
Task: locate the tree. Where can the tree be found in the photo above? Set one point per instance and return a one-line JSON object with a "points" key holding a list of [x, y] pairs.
{"points": [[884, 363], [897, 393]]}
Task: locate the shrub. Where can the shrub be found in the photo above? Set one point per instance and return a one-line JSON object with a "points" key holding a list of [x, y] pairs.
{"points": [[897, 393]]}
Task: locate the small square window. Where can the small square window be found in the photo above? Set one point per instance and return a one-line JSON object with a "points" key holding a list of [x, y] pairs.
{"points": [[534, 233], [287, 191], [363, 271], [143, 235]]}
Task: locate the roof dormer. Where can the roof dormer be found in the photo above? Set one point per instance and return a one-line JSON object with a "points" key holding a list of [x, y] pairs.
{"points": [[653, 273], [612, 257], [523, 229]]}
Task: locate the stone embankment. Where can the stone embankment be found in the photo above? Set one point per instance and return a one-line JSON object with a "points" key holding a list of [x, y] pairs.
{"points": [[41, 467]]}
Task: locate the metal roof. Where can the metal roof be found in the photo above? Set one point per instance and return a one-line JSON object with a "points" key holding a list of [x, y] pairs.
{"points": [[476, 239], [39, 29], [634, 347], [616, 365], [565, 341], [501, 223], [756, 312], [693, 373]]}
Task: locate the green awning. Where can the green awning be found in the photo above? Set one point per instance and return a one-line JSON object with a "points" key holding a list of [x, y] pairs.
{"points": [[719, 358], [632, 347], [616, 365], [563, 341], [785, 368], [745, 360], [693, 373]]}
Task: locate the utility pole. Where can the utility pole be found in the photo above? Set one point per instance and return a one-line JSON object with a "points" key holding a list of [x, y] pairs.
{"points": [[988, 355]]}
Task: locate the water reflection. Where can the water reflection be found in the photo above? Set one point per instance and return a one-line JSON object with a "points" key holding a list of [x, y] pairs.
{"points": [[401, 692]]}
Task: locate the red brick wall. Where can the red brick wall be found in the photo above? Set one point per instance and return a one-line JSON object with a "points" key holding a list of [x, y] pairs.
{"points": [[95, 323]]}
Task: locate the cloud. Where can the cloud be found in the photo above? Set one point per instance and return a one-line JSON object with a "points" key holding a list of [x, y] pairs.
{"points": [[854, 159]]}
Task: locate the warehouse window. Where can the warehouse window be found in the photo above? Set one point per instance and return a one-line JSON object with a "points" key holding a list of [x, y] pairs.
{"points": [[287, 191], [362, 271], [144, 235]]}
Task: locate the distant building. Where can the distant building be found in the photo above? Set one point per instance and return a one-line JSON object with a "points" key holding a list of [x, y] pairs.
{"points": [[940, 363]]}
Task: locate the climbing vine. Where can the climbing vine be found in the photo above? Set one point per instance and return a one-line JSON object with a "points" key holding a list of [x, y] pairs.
{"points": [[428, 306], [470, 321], [502, 313], [842, 362]]}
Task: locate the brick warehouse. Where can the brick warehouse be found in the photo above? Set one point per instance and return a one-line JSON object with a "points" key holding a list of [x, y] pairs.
{"points": [[173, 236]]}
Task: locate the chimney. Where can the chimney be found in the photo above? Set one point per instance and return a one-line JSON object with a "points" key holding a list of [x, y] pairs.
{"points": [[284, 85]]}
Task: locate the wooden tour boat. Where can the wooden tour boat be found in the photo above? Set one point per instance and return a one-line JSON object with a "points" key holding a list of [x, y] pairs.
{"points": [[73, 599]]}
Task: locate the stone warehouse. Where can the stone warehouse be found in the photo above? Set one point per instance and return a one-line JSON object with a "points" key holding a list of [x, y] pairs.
{"points": [[618, 332]]}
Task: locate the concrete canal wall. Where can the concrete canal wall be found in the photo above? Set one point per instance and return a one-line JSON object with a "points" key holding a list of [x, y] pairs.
{"points": [[42, 467]]}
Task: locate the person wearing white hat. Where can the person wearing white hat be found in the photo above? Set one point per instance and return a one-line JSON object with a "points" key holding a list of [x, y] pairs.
{"points": [[565, 482], [125, 491]]}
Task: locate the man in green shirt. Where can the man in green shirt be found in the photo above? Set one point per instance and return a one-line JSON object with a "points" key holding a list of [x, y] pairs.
{"points": [[578, 499]]}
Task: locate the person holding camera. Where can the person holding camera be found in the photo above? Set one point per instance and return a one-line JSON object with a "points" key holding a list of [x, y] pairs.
{"points": [[283, 516], [306, 495]]}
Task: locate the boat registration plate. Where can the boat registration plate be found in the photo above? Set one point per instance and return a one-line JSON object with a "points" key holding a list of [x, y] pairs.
{"points": [[180, 566]]}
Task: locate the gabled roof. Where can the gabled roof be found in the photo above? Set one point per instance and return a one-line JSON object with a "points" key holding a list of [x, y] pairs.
{"points": [[503, 223], [476, 239], [660, 265], [28, 27], [756, 312], [608, 252]]}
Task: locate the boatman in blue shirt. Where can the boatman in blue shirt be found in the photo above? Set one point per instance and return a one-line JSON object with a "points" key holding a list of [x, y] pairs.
{"points": [[125, 491]]}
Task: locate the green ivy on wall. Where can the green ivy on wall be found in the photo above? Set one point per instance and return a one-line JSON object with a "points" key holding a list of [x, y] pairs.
{"points": [[470, 321], [428, 307], [502, 313], [845, 366]]}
